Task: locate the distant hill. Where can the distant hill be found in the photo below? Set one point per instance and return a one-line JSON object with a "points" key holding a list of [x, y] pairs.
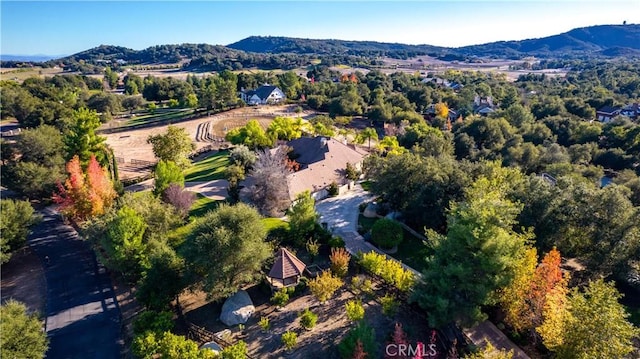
{"points": [[194, 57], [278, 45], [273, 52], [593, 41]]}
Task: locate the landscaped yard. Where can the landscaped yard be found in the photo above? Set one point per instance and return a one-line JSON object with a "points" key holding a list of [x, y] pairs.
{"points": [[209, 169], [411, 251], [320, 342]]}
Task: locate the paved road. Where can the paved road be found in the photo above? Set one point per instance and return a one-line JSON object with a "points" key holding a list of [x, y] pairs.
{"points": [[82, 314]]}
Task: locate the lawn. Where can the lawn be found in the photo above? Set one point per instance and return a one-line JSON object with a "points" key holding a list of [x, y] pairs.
{"points": [[202, 205], [411, 250], [209, 169], [274, 223]]}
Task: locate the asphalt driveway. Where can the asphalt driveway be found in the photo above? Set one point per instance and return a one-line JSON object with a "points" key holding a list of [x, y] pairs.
{"points": [[82, 314]]}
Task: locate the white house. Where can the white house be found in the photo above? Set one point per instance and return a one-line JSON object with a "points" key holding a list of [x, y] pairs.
{"points": [[263, 95]]}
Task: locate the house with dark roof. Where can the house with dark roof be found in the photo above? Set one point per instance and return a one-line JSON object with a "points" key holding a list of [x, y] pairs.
{"points": [[483, 105], [286, 270], [322, 160], [607, 113], [263, 95], [632, 111]]}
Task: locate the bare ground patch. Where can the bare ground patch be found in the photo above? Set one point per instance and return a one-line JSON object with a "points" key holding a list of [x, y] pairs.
{"points": [[133, 144], [320, 342], [23, 280]]}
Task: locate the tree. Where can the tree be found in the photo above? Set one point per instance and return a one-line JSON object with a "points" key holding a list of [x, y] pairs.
{"points": [[389, 146], [398, 338], [368, 133], [124, 244], [324, 286], [81, 139], [442, 110], [163, 281], [251, 135], [226, 249], [285, 128], [513, 298], [175, 145], [302, 217], [350, 172], [270, 191], [84, 196], [241, 155], [166, 174], [22, 334], [179, 198], [386, 233], [480, 239], [17, 217], [234, 174], [111, 77], [598, 324]]}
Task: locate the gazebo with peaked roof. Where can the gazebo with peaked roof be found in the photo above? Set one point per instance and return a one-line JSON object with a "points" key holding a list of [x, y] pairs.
{"points": [[286, 270]]}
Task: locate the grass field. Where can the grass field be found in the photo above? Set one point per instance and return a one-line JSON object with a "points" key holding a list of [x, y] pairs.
{"points": [[25, 73], [209, 169]]}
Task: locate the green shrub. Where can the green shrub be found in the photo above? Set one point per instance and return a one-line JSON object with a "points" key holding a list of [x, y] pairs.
{"points": [[359, 285], [333, 189], [235, 351], [281, 297], [390, 305], [386, 233], [156, 322], [264, 324], [336, 242], [308, 319], [389, 270], [289, 339], [355, 310], [362, 333], [313, 248]]}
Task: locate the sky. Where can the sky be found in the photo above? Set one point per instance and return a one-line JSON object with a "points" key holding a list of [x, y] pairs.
{"points": [[68, 27]]}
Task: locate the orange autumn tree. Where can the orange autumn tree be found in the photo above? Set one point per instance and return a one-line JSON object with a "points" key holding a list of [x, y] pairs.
{"points": [[84, 195], [533, 290]]}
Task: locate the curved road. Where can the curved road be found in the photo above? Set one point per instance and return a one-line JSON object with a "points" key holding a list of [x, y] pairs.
{"points": [[82, 314]]}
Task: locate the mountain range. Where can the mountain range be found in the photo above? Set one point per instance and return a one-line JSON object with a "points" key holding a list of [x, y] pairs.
{"points": [[593, 40], [270, 52]]}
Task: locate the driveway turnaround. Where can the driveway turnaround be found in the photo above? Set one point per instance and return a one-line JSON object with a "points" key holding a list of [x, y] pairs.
{"points": [[82, 314], [341, 216]]}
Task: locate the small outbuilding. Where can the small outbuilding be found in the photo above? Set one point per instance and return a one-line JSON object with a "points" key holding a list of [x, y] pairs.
{"points": [[286, 271]]}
